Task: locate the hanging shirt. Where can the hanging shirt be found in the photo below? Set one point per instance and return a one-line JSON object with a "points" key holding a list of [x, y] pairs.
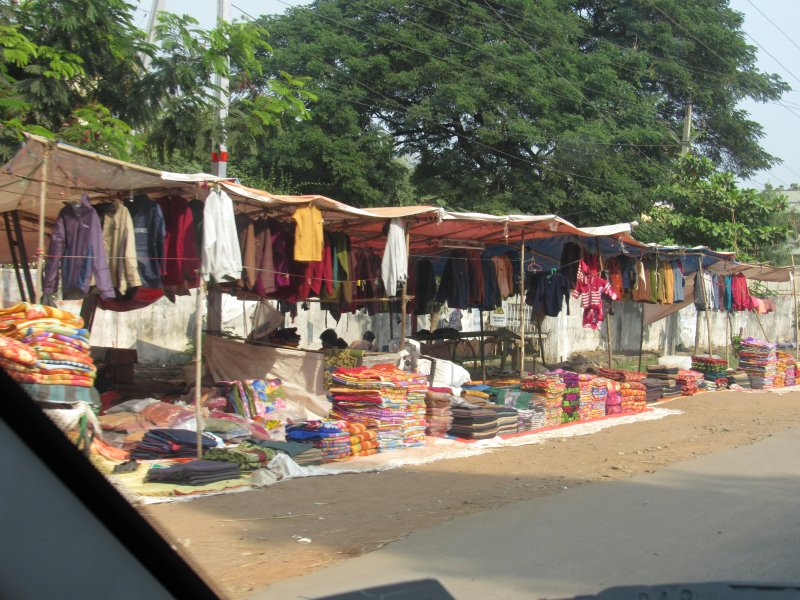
{"points": [[77, 247], [677, 277], [394, 266], [149, 229], [308, 235], [180, 247], [546, 293], [120, 245], [222, 258], [641, 289]]}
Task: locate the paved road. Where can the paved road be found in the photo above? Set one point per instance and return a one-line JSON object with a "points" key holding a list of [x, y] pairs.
{"points": [[727, 516]]}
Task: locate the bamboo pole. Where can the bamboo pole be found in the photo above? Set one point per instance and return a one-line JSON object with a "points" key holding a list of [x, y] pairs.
{"points": [[480, 342], [706, 304], [796, 320], [198, 368], [40, 249], [727, 339], [522, 308], [608, 316], [404, 299], [641, 339]]}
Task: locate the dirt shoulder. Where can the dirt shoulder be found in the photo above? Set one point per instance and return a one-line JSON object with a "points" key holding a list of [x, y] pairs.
{"points": [[244, 542]]}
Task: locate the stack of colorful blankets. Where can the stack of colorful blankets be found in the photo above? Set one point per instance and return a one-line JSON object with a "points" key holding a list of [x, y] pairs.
{"points": [[759, 359], [363, 441], [585, 400], [689, 381], [171, 443], [714, 370], [254, 398], [302, 453], [551, 388], [332, 437], [634, 396], [613, 397], [570, 398], [534, 416], [594, 393], [54, 337], [621, 375], [195, 472], [246, 455], [787, 368], [414, 423], [438, 417]]}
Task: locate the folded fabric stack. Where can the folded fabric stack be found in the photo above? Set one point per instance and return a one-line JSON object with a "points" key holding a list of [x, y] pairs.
{"points": [[247, 456], [594, 393], [385, 398], [787, 367], [689, 381], [661, 372], [331, 436], [254, 398], [714, 370], [672, 388], [195, 472], [363, 441], [534, 415], [634, 396], [654, 389], [613, 397], [171, 443], [759, 360], [56, 339], [551, 388], [438, 417], [473, 423], [302, 454], [621, 375], [507, 419], [585, 400], [570, 397]]}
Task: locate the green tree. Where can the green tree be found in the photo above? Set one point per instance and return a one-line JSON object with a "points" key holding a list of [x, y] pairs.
{"points": [[549, 106], [702, 206]]}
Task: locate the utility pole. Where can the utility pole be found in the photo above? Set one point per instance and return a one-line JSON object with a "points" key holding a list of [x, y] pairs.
{"points": [[686, 140], [219, 157], [155, 8]]}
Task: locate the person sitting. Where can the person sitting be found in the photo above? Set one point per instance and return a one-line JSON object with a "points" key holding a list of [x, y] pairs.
{"points": [[367, 343], [331, 341]]}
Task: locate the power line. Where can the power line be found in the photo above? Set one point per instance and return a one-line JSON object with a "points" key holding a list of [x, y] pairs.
{"points": [[774, 24]]}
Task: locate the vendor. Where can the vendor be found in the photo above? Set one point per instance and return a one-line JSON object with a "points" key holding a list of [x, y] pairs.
{"points": [[367, 342], [331, 341]]}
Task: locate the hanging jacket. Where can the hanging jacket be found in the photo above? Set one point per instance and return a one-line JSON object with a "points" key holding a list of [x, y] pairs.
{"points": [[222, 257], [150, 231], [180, 246], [120, 245], [78, 248]]}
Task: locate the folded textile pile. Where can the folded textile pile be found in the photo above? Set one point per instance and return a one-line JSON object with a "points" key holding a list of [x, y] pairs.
{"points": [[570, 397], [613, 397], [787, 369], [247, 456], [551, 388], [302, 453], [661, 372], [633, 395], [170, 443], [507, 419], [714, 370], [438, 417], [473, 423], [56, 341], [621, 375], [382, 397], [363, 441], [254, 398], [195, 472], [332, 437], [759, 360], [689, 381], [586, 401], [531, 413], [654, 389]]}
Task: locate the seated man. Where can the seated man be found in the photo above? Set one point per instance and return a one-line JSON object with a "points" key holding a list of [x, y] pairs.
{"points": [[331, 341], [367, 342]]}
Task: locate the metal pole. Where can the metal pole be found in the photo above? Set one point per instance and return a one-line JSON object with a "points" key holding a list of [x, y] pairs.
{"points": [[220, 166], [706, 304], [796, 321], [42, 202], [198, 370], [404, 300], [522, 308]]}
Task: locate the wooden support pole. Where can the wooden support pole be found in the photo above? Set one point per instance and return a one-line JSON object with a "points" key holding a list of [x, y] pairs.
{"points": [[796, 320], [480, 342], [727, 339], [522, 308], [706, 304], [607, 317], [40, 251], [641, 338], [198, 365], [404, 299]]}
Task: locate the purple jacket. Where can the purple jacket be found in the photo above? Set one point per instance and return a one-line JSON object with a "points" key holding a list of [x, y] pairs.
{"points": [[77, 247]]}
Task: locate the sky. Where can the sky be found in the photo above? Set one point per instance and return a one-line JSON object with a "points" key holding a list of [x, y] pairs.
{"points": [[768, 26]]}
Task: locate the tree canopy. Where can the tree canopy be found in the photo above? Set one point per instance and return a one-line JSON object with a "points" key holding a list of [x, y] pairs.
{"points": [[572, 107]]}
